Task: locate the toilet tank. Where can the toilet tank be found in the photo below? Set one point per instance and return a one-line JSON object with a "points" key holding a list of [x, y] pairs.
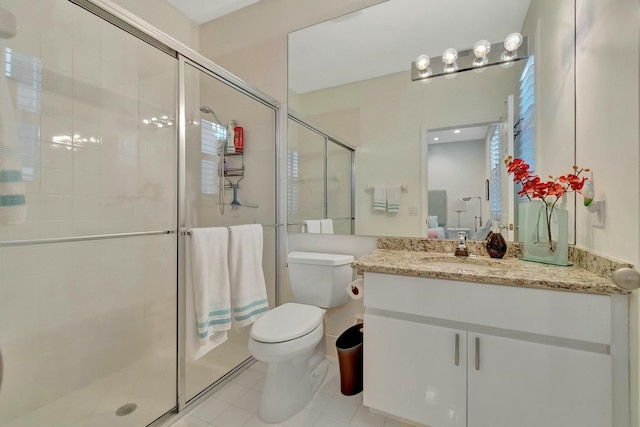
{"points": [[320, 279]]}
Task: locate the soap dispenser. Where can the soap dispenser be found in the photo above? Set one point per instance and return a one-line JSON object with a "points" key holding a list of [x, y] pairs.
{"points": [[496, 245]]}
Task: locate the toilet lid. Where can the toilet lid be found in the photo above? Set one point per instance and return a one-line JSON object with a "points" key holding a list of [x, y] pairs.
{"points": [[286, 322]]}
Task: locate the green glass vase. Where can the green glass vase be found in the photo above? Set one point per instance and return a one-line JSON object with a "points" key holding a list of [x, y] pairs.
{"points": [[544, 233]]}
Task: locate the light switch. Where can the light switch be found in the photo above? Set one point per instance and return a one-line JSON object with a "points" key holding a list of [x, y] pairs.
{"points": [[413, 211]]}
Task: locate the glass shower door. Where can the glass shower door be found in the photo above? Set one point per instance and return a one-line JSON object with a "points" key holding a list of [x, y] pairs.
{"points": [[340, 187], [226, 187], [88, 280]]}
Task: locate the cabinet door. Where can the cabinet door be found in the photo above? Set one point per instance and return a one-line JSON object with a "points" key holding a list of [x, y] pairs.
{"points": [[525, 384], [410, 371]]}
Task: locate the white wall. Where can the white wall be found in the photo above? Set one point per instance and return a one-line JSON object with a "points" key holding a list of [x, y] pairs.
{"points": [[607, 139]]}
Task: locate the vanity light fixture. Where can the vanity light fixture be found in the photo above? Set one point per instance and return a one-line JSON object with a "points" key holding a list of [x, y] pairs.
{"points": [[515, 47]]}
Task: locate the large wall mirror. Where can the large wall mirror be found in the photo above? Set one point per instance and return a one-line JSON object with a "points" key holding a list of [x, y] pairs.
{"points": [[442, 139]]}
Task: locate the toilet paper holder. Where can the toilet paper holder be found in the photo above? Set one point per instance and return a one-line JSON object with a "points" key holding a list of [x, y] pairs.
{"points": [[355, 289]]}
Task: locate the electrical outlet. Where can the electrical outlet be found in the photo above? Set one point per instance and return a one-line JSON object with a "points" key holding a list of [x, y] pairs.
{"points": [[413, 211]]}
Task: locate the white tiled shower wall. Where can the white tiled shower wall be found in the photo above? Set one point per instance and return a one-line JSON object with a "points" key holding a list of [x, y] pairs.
{"points": [[71, 313]]}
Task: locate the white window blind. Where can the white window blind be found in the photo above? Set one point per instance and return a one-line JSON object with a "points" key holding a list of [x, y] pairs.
{"points": [[210, 135], [292, 188], [525, 134], [26, 71], [495, 165]]}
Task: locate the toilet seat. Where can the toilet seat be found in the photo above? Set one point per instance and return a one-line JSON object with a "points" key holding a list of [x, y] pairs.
{"points": [[286, 322]]}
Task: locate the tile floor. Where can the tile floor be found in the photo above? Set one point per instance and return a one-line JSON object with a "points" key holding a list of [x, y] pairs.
{"points": [[236, 405]]}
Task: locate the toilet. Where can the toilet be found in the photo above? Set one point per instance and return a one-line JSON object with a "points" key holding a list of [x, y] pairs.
{"points": [[290, 338]]}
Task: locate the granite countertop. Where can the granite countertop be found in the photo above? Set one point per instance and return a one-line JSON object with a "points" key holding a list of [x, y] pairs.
{"points": [[507, 271]]}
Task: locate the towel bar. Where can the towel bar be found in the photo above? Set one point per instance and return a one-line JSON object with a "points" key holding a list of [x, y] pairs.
{"points": [[9, 243], [403, 187], [188, 233]]}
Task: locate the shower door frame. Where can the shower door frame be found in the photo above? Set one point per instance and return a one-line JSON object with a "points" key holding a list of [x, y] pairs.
{"points": [[185, 55]]}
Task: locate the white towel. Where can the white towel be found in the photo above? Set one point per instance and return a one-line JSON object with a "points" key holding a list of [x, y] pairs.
{"points": [[13, 208], [312, 225], [208, 291], [393, 198], [326, 226], [248, 288], [379, 198]]}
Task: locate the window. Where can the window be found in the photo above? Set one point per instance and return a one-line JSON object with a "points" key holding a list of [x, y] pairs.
{"points": [[26, 71], [525, 133], [210, 136], [292, 188], [495, 165]]}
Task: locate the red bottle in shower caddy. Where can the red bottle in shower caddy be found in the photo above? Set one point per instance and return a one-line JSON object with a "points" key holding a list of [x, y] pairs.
{"points": [[238, 138]]}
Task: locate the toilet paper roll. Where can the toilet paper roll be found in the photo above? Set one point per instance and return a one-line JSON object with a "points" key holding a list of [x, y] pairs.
{"points": [[355, 289]]}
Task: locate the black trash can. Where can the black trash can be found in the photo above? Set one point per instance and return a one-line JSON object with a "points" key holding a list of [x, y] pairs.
{"points": [[349, 348]]}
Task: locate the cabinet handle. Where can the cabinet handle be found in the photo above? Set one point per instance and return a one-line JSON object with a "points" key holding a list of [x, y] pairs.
{"points": [[477, 353], [457, 349]]}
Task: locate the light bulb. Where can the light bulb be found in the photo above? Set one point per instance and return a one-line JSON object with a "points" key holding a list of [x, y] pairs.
{"points": [[449, 56], [425, 73], [482, 48], [451, 68], [507, 59], [513, 41], [480, 62], [422, 62]]}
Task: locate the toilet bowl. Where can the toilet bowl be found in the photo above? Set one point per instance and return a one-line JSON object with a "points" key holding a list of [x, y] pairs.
{"points": [[290, 338]]}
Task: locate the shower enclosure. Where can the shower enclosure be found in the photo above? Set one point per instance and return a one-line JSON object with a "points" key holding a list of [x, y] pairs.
{"points": [[320, 178], [118, 163]]}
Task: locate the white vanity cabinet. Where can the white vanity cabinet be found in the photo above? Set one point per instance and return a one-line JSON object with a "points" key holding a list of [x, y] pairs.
{"points": [[446, 353]]}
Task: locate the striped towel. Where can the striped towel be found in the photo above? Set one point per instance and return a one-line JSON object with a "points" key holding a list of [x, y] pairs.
{"points": [[13, 207], [209, 277], [379, 198], [393, 199], [248, 287]]}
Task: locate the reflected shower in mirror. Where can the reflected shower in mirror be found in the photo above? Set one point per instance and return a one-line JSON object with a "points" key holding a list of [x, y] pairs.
{"points": [[319, 181], [362, 93]]}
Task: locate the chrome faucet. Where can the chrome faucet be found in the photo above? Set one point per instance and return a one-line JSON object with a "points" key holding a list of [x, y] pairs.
{"points": [[461, 249]]}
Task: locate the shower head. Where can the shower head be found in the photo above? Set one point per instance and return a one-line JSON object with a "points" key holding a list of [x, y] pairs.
{"points": [[208, 110]]}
